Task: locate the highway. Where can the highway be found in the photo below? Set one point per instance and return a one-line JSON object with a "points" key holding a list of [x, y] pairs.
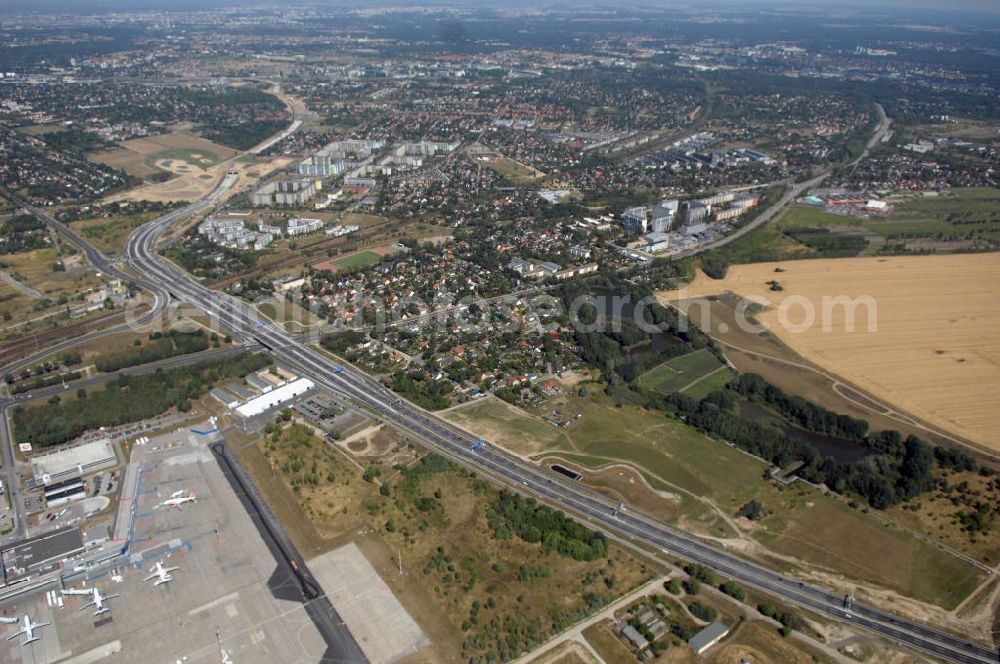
{"points": [[237, 316], [105, 265], [161, 278]]}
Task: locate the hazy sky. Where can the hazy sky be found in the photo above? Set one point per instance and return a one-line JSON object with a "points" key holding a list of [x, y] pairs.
{"points": [[943, 6]]}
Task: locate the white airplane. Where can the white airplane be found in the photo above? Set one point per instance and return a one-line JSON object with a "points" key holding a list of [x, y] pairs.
{"points": [[179, 498], [28, 629], [9, 621], [96, 599], [160, 573]]}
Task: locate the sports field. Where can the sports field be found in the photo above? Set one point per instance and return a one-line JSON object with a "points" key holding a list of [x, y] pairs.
{"points": [[717, 380], [676, 374], [515, 171], [360, 259], [931, 349]]}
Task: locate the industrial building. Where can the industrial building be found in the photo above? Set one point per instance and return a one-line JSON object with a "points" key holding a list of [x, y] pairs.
{"points": [[708, 637], [72, 462], [656, 242], [60, 493], [41, 554], [639, 642], [227, 399], [259, 384], [276, 397]]}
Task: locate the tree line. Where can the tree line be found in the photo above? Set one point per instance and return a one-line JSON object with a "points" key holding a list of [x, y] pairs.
{"points": [[159, 347], [127, 399], [896, 470], [799, 411]]}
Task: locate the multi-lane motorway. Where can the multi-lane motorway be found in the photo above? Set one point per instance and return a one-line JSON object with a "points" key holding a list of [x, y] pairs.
{"points": [[234, 315], [162, 279], [104, 264]]}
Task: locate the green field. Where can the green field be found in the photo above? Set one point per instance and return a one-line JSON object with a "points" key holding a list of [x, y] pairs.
{"points": [[109, 235], [859, 546], [949, 216], [358, 260], [679, 372], [669, 450], [515, 171], [713, 480], [959, 220], [717, 380]]}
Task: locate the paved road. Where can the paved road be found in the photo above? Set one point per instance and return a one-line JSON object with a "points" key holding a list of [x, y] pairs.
{"points": [[7, 439], [235, 315], [101, 262], [884, 123]]}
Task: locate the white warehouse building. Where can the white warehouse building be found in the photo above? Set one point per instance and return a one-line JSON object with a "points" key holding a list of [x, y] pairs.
{"points": [[274, 398]]}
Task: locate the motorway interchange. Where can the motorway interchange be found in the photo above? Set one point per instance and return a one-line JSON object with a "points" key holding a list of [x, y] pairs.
{"points": [[235, 315], [163, 279]]}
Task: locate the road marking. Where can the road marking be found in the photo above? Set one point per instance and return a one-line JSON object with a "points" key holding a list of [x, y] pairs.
{"points": [[231, 597]]}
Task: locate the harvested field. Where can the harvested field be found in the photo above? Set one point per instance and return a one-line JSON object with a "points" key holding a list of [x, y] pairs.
{"points": [[932, 349], [764, 354]]}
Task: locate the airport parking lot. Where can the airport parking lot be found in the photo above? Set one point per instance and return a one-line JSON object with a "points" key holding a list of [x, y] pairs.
{"points": [[219, 605]]}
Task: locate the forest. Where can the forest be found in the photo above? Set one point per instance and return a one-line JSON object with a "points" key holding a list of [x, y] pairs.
{"points": [[126, 399], [533, 523]]}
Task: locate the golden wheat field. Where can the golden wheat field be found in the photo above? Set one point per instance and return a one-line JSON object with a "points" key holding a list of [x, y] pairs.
{"points": [[926, 337]]}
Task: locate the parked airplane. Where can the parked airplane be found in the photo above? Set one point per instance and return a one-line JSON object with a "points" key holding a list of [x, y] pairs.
{"points": [[28, 629], [179, 498], [160, 573], [9, 621], [96, 598]]}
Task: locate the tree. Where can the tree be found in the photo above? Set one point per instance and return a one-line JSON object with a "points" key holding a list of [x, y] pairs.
{"points": [[734, 590], [752, 510]]}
